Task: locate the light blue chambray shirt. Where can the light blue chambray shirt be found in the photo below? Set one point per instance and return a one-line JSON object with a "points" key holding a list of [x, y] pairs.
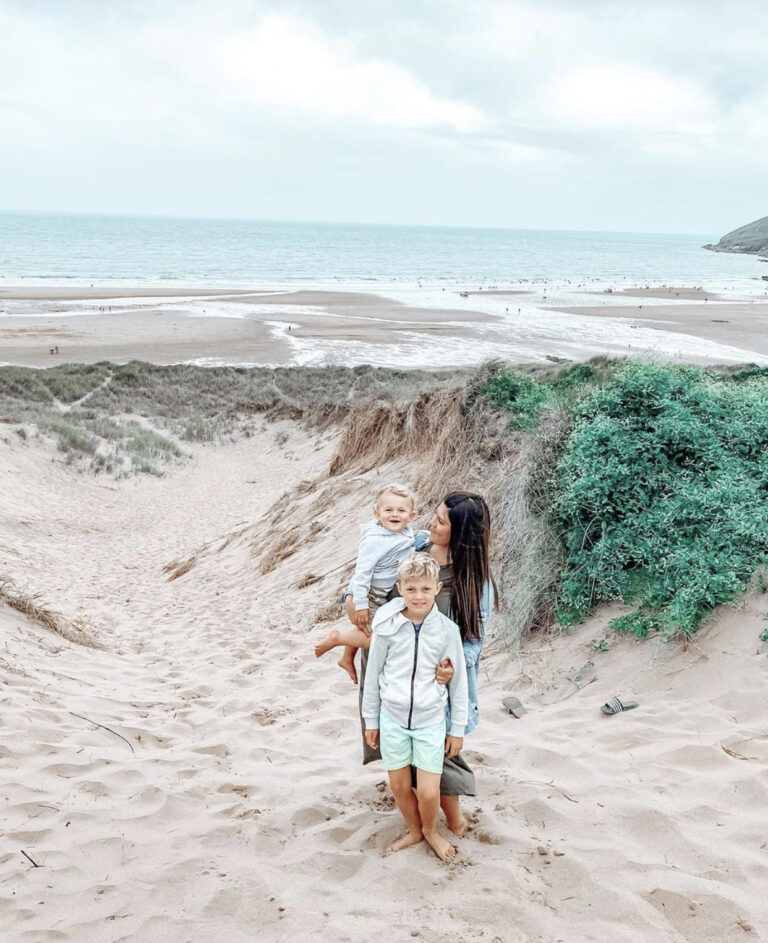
{"points": [[473, 648]]}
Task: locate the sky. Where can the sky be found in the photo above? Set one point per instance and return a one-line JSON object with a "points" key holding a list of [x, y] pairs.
{"points": [[591, 115]]}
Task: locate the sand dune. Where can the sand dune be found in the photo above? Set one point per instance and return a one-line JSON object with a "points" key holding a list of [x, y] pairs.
{"points": [[222, 797]]}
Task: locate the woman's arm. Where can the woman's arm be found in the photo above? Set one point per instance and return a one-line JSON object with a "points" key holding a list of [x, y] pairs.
{"points": [[487, 603]]}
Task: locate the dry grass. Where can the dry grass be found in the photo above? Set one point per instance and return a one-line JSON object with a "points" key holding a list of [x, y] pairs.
{"points": [[178, 568], [30, 606], [458, 442]]}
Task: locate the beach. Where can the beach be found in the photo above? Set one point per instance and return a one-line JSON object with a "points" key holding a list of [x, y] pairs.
{"points": [[193, 772], [413, 327]]}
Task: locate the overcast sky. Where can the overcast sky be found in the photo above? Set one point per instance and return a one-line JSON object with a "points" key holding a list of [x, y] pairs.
{"points": [[573, 115]]}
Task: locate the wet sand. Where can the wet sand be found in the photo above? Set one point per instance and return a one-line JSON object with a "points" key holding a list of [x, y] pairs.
{"points": [[282, 327], [670, 293], [169, 334], [737, 324]]}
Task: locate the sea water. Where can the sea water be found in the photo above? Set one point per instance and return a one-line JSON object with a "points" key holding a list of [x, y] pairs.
{"points": [[536, 273], [71, 249]]}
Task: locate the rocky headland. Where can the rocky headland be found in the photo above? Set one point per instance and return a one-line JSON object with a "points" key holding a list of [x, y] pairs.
{"points": [[751, 239]]}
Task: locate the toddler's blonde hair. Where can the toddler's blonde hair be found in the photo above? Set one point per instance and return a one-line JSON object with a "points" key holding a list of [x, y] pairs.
{"points": [[396, 488], [418, 565]]}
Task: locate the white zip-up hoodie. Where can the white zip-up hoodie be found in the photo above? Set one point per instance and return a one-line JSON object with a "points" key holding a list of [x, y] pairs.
{"points": [[400, 676], [379, 554]]}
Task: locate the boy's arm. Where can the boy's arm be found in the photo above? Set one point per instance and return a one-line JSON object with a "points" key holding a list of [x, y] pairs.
{"points": [[457, 688], [371, 706], [368, 556]]}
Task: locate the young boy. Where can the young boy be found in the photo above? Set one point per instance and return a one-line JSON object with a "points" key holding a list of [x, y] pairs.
{"points": [[403, 704], [384, 543]]}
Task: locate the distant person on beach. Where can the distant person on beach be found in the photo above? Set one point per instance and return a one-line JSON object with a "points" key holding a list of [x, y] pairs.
{"points": [[404, 709], [384, 543]]}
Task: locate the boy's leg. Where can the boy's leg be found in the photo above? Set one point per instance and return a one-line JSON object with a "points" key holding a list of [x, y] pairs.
{"points": [[400, 784], [396, 753], [428, 791], [428, 757]]}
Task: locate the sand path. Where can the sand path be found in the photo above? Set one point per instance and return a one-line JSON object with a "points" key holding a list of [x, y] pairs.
{"points": [[226, 800]]}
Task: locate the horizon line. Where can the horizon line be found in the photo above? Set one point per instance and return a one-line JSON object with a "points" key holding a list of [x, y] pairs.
{"points": [[330, 222]]}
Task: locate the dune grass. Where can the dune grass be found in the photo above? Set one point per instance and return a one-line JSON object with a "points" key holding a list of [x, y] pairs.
{"points": [[607, 480], [30, 606], [89, 408]]}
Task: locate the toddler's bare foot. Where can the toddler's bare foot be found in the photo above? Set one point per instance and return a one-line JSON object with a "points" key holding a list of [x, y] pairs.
{"points": [[441, 846], [459, 827], [410, 838], [330, 641], [348, 664]]}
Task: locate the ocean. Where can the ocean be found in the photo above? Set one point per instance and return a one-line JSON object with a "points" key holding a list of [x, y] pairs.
{"points": [[74, 249]]}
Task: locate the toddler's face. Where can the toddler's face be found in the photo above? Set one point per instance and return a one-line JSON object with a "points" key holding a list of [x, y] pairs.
{"points": [[394, 512], [419, 594]]}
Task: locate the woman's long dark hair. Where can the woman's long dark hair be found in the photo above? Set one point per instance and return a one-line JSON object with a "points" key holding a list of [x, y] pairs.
{"points": [[470, 537]]}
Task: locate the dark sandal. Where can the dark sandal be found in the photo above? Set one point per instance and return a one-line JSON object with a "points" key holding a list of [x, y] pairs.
{"points": [[514, 706], [616, 706]]}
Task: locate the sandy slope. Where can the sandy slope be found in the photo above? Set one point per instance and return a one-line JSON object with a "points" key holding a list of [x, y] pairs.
{"points": [[235, 809]]}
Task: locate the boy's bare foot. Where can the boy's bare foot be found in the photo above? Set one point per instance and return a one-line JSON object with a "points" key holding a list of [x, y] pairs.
{"points": [[441, 846], [330, 641], [348, 664], [459, 828], [410, 838]]}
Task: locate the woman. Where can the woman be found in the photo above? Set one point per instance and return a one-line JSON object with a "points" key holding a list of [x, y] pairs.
{"points": [[458, 539]]}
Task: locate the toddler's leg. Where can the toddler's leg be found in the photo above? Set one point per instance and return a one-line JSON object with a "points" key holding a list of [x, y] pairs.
{"points": [[428, 792], [351, 639], [347, 662], [400, 784]]}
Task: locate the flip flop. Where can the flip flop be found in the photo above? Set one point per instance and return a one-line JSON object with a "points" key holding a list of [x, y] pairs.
{"points": [[616, 706], [514, 706]]}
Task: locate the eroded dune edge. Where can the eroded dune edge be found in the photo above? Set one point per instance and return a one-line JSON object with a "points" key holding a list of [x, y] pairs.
{"points": [[196, 775]]}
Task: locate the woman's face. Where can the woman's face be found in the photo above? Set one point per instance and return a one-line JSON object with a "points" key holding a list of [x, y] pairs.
{"points": [[440, 527]]}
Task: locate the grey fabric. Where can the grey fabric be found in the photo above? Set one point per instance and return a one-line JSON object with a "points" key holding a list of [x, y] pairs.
{"points": [[457, 779], [369, 754], [376, 599]]}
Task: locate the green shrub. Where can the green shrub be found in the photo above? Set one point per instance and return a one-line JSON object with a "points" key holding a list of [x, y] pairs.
{"points": [[663, 496], [522, 396]]}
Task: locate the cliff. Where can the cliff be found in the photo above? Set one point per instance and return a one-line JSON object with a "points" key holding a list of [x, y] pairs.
{"points": [[752, 239]]}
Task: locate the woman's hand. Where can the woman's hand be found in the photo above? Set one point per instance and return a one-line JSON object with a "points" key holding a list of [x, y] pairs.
{"points": [[444, 671], [363, 620], [453, 746], [363, 615], [372, 738]]}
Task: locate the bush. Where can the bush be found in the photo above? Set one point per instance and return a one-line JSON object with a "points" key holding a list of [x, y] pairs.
{"points": [[663, 496], [522, 396]]}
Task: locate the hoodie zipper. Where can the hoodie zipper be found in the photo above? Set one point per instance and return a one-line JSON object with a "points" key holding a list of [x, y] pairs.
{"points": [[413, 673]]}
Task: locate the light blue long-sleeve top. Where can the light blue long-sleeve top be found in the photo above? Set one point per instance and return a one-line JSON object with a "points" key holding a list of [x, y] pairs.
{"points": [[379, 554]]}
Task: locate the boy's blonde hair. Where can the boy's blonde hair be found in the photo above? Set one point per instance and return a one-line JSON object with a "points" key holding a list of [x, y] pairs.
{"points": [[418, 565], [400, 490]]}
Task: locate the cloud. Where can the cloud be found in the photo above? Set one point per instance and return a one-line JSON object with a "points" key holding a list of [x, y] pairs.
{"points": [[483, 105], [286, 62], [629, 98]]}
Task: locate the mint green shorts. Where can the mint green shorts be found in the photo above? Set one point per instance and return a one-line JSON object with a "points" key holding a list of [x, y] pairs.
{"points": [[423, 747]]}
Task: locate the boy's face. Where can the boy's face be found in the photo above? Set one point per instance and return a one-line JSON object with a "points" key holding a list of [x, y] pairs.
{"points": [[419, 594], [394, 512]]}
